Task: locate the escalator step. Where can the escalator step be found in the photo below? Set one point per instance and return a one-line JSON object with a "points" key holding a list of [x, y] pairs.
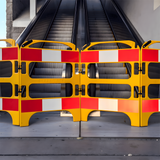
{"points": [[55, 88], [112, 70], [48, 71], [115, 94], [114, 76], [49, 65]]}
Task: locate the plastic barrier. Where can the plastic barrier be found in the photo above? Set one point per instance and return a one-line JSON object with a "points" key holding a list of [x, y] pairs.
{"points": [[34, 100], [150, 81], [129, 105], [9, 80]]}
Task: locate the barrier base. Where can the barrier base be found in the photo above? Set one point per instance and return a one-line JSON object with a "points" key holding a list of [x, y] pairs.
{"points": [[25, 117], [134, 118], [15, 117], [85, 113], [145, 118], [75, 113]]}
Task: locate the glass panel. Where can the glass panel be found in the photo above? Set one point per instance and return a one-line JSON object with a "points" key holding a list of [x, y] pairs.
{"points": [[154, 91], [5, 69], [50, 90], [154, 70], [109, 90], [5, 90], [109, 70], [50, 70]]}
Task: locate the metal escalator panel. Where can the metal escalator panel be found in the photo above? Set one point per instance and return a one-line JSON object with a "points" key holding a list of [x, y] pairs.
{"points": [[61, 29], [99, 27]]}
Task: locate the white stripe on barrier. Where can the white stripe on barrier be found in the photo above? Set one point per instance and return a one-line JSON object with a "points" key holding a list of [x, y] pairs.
{"points": [[108, 104], [108, 56], [50, 55], [158, 55], [51, 104], [0, 103], [0, 54], [159, 105]]}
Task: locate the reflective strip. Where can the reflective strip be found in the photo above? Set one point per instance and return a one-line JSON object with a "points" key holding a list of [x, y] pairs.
{"points": [[51, 55], [159, 56], [51, 104], [0, 54], [159, 106], [108, 104], [108, 56], [0, 103]]}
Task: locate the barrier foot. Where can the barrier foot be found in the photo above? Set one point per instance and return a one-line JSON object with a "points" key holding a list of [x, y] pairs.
{"points": [[15, 117], [25, 117], [85, 113], [134, 118], [145, 118], [75, 113]]}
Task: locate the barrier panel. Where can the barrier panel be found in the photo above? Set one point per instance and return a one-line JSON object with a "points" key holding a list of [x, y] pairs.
{"points": [[150, 81], [111, 81], [9, 80], [48, 80]]}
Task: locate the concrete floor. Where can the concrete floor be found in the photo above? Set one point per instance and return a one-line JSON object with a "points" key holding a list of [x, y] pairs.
{"points": [[52, 125], [109, 137]]}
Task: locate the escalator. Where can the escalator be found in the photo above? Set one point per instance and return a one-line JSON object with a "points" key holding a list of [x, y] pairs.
{"points": [[102, 28], [58, 26], [59, 21]]}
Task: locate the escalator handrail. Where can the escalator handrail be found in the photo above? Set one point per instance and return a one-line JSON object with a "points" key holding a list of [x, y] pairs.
{"points": [[75, 23], [28, 29], [86, 24], [137, 37]]}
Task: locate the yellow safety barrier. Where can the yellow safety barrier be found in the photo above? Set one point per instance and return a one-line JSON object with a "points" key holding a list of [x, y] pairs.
{"points": [[150, 81], [36, 80], [103, 85], [49, 89], [9, 80]]}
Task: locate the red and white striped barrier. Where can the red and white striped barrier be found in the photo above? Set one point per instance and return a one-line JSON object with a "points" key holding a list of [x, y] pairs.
{"points": [[110, 104], [9, 53], [49, 55], [150, 106], [9, 104], [151, 55], [49, 104], [110, 55]]}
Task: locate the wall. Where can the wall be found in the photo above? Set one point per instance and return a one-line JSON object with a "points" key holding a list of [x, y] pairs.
{"points": [[12, 32], [144, 15], [19, 6]]}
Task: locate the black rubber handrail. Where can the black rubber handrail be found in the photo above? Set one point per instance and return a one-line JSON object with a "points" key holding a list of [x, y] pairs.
{"points": [[136, 36], [86, 23], [28, 29], [75, 23]]}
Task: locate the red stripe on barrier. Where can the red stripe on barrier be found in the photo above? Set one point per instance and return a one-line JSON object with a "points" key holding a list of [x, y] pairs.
{"points": [[69, 56], [9, 53], [89, 103], [31, 54], [70, 103], [149, 105], [90, 56], [10, 104], [150, 55], [31, 105], [128, 55], [128, 106]]}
